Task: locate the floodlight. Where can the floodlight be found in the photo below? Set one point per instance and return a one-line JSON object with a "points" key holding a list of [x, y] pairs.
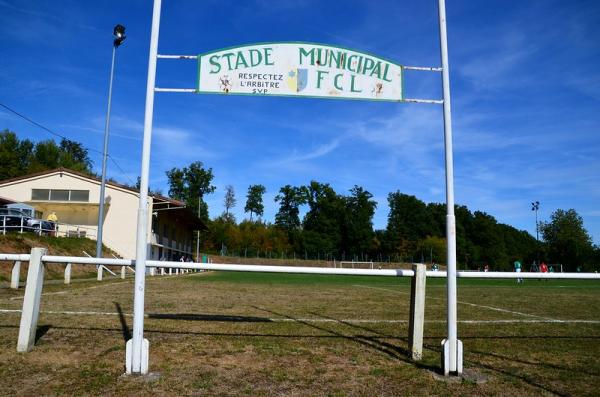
{"points": [[119, 33]]}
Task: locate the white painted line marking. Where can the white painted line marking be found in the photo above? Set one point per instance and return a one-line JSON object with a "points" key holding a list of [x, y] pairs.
{"points": [[498, 309]]}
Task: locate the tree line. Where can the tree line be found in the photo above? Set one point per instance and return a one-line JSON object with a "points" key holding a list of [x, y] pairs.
{"points": [[21, 157], [340, 226], [335, 226]]}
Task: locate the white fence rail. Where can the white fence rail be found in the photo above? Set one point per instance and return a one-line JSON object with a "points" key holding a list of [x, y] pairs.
{"points": [[296, 269]]}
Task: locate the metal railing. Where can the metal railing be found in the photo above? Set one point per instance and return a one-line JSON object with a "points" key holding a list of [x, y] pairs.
{"points": [[46, 228]]}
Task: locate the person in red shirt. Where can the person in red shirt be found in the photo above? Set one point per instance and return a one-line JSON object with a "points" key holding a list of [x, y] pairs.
{"points": [[544, 269]]}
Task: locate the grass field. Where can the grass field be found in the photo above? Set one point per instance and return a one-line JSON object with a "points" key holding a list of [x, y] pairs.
{"points": [[222, 333]]}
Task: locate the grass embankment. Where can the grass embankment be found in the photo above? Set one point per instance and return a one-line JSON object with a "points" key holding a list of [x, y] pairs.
{"points": [[238, 334], [15, 243]]}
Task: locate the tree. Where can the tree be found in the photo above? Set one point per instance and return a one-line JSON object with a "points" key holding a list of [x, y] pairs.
{"points": [[322, 223], [290, 198], [408, 222], [74, 156], [15, 155], [190, 184], [433, 249], [138, 185], [357, 233], [568, 242], [254, 200], [23, 157], [229, 201]]}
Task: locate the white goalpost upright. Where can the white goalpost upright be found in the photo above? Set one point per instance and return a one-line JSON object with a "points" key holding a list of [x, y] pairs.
{"points": [[137, 347]]}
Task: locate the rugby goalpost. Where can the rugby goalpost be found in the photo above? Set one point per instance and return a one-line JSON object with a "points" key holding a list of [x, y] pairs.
{"points": [[137, 347]]}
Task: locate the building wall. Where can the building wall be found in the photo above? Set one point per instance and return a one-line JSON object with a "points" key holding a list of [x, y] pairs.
{"points": [[171, 237], [120, 220], [120, 215]]}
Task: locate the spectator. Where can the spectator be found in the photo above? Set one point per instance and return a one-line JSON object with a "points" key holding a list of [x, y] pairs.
{"points": [[534, 267], [52, 218], [517, 266], [544, 268]]}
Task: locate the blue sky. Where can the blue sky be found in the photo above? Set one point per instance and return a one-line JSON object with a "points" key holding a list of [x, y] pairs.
{"points": [[525, 81]]}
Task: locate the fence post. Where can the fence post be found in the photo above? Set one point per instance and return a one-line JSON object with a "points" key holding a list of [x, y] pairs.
{"points": [[123, 272], [31, 301], [417, 311], [99, 277], [15, 275], [68, 273]]}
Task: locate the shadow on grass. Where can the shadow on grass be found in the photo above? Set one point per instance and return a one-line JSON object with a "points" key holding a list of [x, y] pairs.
{"points": [[523, 378], [470, 362], [219, 334], [370, 341], [124, 328], [209, 317], [41, 331], [532, 363]]}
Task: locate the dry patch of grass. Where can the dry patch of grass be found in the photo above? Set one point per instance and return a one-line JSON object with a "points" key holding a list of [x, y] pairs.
{"points": [[293, 335]]}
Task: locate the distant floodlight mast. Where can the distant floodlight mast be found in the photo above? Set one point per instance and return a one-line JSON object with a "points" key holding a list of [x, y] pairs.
{"points": [[535, 206], [119, 33], [137, 347]]}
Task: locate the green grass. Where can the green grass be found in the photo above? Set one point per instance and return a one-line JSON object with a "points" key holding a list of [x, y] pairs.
{"points": [[252, 278]]}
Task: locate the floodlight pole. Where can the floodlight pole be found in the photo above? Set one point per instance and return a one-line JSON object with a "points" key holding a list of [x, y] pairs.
{"points": [[451, 346], [104, 156], [137, 351]]}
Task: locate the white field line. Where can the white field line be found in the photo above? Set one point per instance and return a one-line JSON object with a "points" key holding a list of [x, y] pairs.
{"points": [[73, 290], [328, 320], [498, 309]]}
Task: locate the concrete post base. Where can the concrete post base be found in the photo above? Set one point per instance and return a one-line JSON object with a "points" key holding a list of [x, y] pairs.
{"points": [[123, 270], [99, 277], [129, 353], [448, 369]]}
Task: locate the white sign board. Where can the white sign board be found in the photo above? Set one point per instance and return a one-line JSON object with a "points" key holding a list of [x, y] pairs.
{"points": [[299, 69]]}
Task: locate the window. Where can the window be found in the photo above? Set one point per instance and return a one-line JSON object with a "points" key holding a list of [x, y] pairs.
{"points": [[80, 195], [40, 194], [60, 195]]}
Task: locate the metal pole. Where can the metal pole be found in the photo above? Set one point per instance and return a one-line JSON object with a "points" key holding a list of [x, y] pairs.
{"points": [[198, 234], [142, 223], [452, 338], [104, 156], [198, 246]]}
